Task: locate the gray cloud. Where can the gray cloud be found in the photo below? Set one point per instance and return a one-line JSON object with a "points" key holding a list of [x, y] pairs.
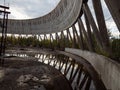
{"points": [[30, 8], [108, 18]]}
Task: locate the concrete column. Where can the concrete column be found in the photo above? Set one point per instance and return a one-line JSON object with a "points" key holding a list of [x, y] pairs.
{"points": [[74, 38], [114, 7], [51, 45], [81, 35], [101, 24], [89, 32], [71, 39], [92, 22], [86, 35], [78, 39]]}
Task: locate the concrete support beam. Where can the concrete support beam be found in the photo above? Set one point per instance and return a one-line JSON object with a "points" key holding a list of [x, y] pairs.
{"points": [[101, 24], [109, 70], [77, 36], [81, 35], [74, 38], [89, 33], [114, 7], [86, 36], [93, 24]]}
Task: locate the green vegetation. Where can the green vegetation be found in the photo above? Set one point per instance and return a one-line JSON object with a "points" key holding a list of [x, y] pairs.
{"points": [[115, 45], [61, 43], [22, 41]]}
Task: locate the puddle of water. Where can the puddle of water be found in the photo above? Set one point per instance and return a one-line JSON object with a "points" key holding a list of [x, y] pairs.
{"points": [[51, 60]]}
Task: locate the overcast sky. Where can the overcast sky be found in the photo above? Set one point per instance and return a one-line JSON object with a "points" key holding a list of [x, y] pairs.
{"points": [[108, 18], [26, 9]]}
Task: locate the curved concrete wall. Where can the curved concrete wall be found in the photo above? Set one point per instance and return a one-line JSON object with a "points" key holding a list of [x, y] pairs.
{"points": [[62, 17], [108, 69]]}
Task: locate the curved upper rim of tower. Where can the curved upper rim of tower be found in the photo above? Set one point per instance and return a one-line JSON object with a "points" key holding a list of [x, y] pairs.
{"points": [[39, 16], [61, 18]]}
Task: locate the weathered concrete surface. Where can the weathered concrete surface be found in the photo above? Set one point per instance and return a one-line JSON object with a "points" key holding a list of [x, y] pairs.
{"points": [[114, 7], [62, 17], [108, 69], [30, 75]]}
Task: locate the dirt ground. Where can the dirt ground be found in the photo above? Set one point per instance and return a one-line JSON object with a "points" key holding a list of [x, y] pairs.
{"points": [[20, 74]]}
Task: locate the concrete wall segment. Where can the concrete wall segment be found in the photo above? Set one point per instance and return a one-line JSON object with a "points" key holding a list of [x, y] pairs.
{"points": [[108, 69], [62, 17]]}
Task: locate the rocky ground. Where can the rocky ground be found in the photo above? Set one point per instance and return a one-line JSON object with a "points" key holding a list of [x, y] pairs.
{"points": [[20, 74]]}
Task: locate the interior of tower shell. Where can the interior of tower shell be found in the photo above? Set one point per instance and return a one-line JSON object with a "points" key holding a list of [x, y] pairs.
{"points": [[59, 45]]}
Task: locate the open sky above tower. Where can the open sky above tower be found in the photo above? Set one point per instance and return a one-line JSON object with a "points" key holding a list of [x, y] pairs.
{"points": [[26, 9]]}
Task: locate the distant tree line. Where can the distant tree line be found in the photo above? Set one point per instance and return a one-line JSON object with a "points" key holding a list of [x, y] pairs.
{"points": [[33, 41]]}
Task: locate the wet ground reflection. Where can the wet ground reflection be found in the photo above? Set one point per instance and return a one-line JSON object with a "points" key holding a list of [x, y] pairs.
{"points": [[75, 73]]}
